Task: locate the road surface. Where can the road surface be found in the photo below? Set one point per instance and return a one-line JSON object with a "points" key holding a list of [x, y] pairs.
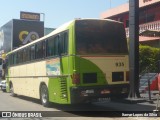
{"points": [[21, 106]]}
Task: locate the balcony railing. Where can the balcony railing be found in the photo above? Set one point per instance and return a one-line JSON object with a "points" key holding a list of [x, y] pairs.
{"points": [[147, 26]]}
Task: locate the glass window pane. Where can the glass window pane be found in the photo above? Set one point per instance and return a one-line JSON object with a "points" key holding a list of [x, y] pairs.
{"points": [[39, 50], [32, 50], [50, 47], [100, 37]]}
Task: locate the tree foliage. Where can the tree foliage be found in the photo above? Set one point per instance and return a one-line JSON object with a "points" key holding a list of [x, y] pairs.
{"points": [[148, 57]]}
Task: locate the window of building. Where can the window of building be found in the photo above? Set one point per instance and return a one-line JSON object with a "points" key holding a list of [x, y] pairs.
{"points": [[127, 23], [150, 17], [120, 19]]}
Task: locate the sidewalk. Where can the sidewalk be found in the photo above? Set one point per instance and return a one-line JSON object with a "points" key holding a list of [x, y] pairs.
{"points": [[139, 104], [143, 108]]}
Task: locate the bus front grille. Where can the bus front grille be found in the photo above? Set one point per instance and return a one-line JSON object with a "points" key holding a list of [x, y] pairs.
{"points": [[117, 76]]}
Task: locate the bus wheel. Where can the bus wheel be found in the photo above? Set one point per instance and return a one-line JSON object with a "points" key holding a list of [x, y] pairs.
{"points": [[44, 95], [12, 90]]}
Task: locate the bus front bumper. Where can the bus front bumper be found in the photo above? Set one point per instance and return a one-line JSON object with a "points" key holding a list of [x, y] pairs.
{"points": [[84, 94]]}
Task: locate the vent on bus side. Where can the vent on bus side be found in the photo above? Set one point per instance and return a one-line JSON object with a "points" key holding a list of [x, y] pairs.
{"points": [[63, 85], [90, 78], [117, 76]]}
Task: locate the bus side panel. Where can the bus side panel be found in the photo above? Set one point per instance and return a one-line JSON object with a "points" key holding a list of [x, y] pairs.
{"points": [[59, 88], [58, 84], [39, 71], [58, 93]]}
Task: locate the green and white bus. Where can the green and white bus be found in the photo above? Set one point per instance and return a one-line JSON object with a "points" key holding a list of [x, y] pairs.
{"points": [[83, 60]]}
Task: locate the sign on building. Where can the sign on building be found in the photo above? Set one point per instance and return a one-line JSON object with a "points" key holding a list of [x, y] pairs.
{"points": [[30, 16], [17, 33]]}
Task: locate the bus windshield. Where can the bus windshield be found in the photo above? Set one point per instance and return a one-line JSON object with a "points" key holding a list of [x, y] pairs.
{"points": [[100, 37]]}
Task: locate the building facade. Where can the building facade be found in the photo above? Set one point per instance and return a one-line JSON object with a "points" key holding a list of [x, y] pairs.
{"points": [[18, 32], [149, 18]]}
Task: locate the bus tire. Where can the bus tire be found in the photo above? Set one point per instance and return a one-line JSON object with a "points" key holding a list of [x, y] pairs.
{"points": [[44, 95], [12, 90]]}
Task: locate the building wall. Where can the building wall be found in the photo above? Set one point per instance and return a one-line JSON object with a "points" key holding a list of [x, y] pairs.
{"points": [[147, 14], [149, 18], [17, 33]]}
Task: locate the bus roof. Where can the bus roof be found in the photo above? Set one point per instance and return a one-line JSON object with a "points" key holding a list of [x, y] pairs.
{"points": [[59, 29]]}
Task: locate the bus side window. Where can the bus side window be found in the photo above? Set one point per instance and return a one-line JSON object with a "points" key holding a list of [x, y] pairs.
{"points": [[56, 46], [14, 58], [32, 52], [39, 50], [27, 54], [10, 59], [20, 56], [50, 47], [44, 48], [64, 43], [24, 55]]}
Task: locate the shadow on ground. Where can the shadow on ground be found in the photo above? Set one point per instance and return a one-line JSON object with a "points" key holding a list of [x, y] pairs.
{"points": [[97, 109]]}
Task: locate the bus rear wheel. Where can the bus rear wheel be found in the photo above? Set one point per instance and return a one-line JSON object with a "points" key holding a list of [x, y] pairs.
{"points": [[12, 90], [44, 96]]}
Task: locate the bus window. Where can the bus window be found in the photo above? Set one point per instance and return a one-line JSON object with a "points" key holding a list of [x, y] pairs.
{"points": [[44, 48], [20, 56], [10, 59], [24, 55], [64, 43], [56, 46], [27, 54], [32, 51], [100, 37], [14, 58], [39, 50], [50, 47]]}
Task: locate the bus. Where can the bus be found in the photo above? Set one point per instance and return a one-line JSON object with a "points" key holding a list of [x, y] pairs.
{"points": [[81, 61]]}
